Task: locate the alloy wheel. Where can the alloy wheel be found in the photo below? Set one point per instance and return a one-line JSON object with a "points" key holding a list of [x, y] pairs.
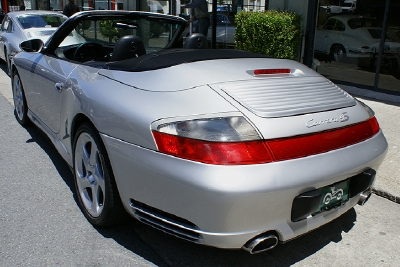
{"points": [[18, 96], [89, 175]]}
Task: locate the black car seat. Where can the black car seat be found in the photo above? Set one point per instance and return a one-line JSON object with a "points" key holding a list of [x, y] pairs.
{"points": [[128, 46], [196, 41]]}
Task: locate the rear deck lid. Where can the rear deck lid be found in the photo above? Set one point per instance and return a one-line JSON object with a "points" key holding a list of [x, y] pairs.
{"points": [[288, 96]]}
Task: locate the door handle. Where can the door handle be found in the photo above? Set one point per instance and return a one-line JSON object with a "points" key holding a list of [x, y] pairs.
{"points": [[59, 86]]}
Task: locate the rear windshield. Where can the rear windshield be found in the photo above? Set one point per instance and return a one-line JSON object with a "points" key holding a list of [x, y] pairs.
{"points": [[363, 22], [376, 34]]}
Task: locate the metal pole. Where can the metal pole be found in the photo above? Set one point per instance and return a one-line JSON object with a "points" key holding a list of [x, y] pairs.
{"points": [[310, 32], [381, 45], [190, 20], [177, 7], [214, 25]]}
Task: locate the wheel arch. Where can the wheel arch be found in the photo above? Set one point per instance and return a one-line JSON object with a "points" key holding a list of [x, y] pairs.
{"points": [[78, 120], [335, 45], [12, 70]]}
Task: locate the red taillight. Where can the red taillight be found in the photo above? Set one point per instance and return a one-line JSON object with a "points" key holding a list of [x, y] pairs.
{"points": [[250, 152], [263, 151], [374, 125], [271, 71]]}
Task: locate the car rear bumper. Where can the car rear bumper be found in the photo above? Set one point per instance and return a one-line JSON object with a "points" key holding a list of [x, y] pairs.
{"points": [[225, 206]]}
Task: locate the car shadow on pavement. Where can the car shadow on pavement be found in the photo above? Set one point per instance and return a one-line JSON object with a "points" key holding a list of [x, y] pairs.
{"points": [[177, 252], [164, 250]]}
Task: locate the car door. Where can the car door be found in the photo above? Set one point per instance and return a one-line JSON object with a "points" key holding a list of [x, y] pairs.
{"points": [[325, 35], [46, 83]]}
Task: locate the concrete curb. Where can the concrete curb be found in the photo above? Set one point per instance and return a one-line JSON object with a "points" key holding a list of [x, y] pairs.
{"points": [[355, 91], [386, 195]]}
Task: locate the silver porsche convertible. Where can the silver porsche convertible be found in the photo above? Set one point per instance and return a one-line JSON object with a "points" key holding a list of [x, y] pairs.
{"points": [[224, 148]]}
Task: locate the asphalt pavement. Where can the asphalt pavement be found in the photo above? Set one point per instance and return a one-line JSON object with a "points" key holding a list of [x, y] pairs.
{"points": [[41, 224]]}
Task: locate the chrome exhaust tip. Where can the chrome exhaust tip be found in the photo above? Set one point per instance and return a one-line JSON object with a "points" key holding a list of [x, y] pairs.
{"points": [[364, 197], [261, 243]]}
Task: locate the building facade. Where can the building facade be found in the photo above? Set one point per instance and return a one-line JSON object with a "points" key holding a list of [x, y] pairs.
{"points": [[346, 50]]}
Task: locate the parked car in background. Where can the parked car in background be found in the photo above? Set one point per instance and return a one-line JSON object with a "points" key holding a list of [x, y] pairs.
{"points": [[348, 6], [331, 9], [354, 36], [219, 147], [24, 25]]}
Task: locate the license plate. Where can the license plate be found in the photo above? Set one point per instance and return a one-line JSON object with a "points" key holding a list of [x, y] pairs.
{"points": [[333, 196]]}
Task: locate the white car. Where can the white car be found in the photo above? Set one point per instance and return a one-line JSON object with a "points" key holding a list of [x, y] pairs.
{"points": [[349, 6], [332, 9], [354, 36], [20, 26]]}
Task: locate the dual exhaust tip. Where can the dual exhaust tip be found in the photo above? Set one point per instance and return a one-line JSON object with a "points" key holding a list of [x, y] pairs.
{"points": [[261, 243], [364, 197]]}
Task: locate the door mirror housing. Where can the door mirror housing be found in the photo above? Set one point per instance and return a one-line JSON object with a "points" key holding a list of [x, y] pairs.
{"points": [[33, 45]]}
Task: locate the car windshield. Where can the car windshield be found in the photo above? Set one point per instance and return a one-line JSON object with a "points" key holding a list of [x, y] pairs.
{"points": [[363, 22], [40, 21], [155, 34]]}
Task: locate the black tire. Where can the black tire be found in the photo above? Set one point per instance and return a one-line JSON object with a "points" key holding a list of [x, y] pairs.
{"points": [[388, 65], [20, 104], [338, 53], [93, 174]]}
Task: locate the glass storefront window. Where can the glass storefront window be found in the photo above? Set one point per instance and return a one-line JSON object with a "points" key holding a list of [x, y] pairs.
{"points": [[389, 74], [347, 44]]}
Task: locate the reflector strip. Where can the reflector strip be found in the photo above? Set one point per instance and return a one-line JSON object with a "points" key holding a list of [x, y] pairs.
{"points": [[271, 71], [302, 146], [264, 151]]}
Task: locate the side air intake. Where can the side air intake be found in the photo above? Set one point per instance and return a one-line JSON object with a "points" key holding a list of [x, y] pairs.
{"points": [[166, 222]]}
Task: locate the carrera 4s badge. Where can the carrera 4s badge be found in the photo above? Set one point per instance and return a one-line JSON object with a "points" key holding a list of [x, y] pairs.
{"points": [[342, 118]]}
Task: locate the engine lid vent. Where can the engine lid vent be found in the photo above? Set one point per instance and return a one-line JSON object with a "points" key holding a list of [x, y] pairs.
{"points": [[288, 96]]}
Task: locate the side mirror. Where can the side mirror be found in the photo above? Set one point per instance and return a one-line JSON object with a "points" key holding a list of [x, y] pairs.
{"points": [[33, 45]]}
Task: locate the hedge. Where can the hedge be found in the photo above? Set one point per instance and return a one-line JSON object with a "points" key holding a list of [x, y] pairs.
{"points": [[274, 33]]}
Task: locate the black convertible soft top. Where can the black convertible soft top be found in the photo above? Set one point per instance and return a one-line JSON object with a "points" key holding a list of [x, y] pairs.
{"points": [[171, 57]]}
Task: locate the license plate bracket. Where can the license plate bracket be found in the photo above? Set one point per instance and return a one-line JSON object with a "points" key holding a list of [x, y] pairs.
{"points": [[333, 196]]}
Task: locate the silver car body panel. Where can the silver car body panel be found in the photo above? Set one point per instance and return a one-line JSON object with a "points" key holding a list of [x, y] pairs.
{"points": [[243, 201]]}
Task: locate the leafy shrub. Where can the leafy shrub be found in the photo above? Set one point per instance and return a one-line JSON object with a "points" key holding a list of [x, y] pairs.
{"points": [[274, 33], [107, 29]]}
